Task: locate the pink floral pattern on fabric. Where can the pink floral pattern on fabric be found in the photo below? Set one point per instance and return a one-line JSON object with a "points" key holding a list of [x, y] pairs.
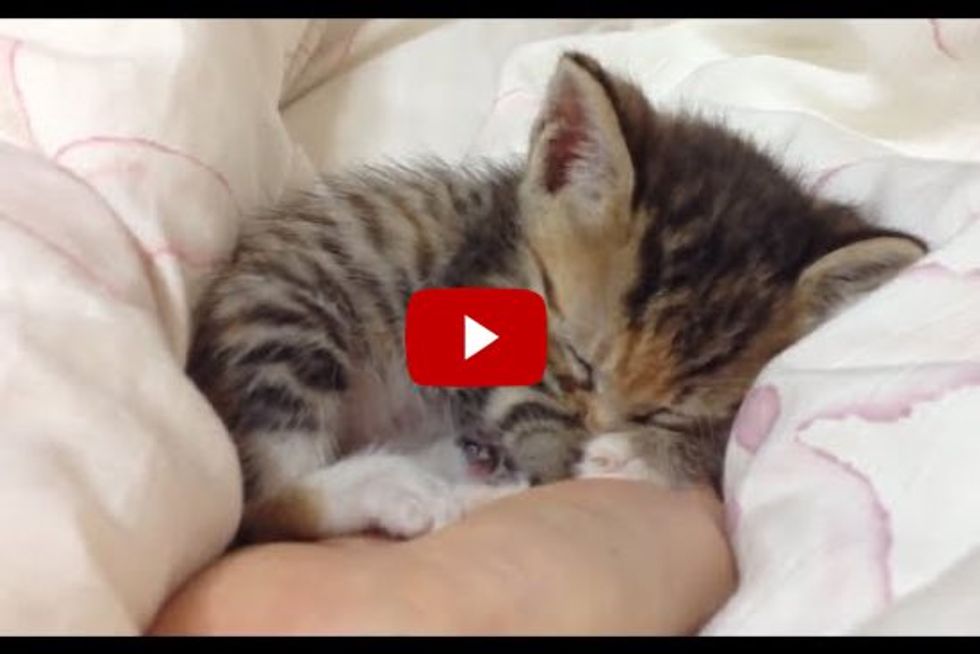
{"points": [[756, 417]]}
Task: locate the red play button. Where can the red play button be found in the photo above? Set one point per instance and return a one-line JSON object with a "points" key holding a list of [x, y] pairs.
{"points": [[476, 337]]}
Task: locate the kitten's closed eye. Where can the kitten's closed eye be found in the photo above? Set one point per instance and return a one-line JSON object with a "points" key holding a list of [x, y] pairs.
{"points": [[582, 377], [649, 417], [568, 384]]}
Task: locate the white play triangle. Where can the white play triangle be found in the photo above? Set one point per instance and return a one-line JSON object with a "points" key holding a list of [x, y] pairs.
{"points": [[476, 337]]}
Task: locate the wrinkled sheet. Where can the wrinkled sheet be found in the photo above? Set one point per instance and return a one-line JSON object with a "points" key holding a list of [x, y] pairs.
{"points": [[130, 152], [134, 150]]}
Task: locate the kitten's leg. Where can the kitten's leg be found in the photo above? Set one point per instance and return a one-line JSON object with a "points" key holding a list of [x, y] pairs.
{"points": [[373, 490], [283, 390], [402, 494], [542, 438], [277, 360]]}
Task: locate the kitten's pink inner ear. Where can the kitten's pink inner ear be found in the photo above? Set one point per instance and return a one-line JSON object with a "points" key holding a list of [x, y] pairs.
{"points": [[564, 146], [578, 151]]}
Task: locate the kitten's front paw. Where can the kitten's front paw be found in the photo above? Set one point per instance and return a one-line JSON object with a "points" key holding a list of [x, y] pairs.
{"points": [[545, 457], [409, 503], [614, 456]]}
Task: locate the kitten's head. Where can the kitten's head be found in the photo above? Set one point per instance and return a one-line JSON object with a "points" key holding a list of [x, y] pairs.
{"points": [[678, 259]]}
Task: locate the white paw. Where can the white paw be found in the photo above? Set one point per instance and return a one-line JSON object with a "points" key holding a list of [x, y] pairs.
{"points": [[408, 502], [612, 456]]}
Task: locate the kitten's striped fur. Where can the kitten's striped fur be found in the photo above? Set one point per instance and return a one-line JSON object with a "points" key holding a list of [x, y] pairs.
{"points": [[676, 260]]}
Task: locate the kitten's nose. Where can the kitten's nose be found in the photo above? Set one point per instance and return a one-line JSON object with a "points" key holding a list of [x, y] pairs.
{"points": [[598, 420]]}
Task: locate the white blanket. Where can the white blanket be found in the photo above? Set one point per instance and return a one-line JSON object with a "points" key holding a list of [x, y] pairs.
{"points": [[134, 150]]}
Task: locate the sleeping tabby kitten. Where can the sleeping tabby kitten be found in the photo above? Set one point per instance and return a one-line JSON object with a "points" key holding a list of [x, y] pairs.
{"points": [[675, 259]]}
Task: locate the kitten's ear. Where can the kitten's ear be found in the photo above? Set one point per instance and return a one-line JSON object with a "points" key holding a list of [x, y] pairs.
{"points": [[578, 152], [853, 270]]}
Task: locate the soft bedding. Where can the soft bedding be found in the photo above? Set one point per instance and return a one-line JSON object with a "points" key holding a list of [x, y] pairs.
{"points": [[132, 150]]}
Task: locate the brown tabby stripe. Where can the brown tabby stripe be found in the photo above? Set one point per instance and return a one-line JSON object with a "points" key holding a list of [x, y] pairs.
{"points": [[459, 201], [266, 405], [534, 411], [492, 246], [278, 316], [404, 287], [726, 351], [375, 289], [425, 255], [307, 208], [312, 365], [368, 214], [325, 283], [328, 323], [298, 288], [647, 280], [330, 244], [310, 317]]}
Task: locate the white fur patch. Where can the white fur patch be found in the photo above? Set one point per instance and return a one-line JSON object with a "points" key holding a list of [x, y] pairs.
{"points": [[612, 456], [402, 495], [382, 491]]}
